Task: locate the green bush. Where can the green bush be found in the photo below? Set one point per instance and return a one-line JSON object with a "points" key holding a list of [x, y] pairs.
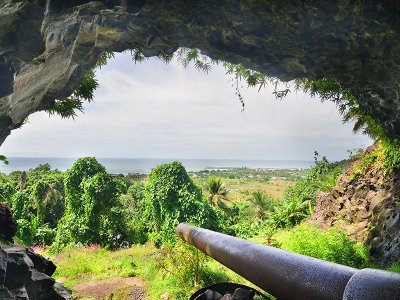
{"points": [[93, 213], [172, 197], [20, 205], [331, 245], [45, 235], [186, 269], [262, 203], [6, 189], [299, 200], [27, 231], [394, 268], [82, 169], [246, 228], [392, 156]]}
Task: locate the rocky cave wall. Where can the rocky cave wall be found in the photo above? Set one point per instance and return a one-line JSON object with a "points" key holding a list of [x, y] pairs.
{"points": [[366, 207], [45, 46], [25, 274]]}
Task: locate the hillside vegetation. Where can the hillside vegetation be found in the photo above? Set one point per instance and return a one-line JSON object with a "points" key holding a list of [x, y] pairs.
{"points": [[97, 226]]}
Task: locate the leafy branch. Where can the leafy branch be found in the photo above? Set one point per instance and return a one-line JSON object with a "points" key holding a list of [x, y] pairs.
{"points": [[83, 91], [326, 89]]}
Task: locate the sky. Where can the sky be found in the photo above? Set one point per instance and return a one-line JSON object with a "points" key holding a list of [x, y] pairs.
{"points": [[154, 110]]}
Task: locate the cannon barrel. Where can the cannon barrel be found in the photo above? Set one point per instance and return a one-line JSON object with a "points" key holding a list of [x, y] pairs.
{"points": [[288, 275]]}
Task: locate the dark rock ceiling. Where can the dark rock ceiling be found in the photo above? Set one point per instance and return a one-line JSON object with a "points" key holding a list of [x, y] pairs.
{"points": [[45, 46]]}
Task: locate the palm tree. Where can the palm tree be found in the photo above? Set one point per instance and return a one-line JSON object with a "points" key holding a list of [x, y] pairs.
{"points": [[216, 189], [262, 202]]}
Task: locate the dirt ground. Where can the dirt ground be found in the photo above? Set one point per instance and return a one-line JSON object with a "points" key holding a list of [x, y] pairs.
{"points": [[103, 288]]}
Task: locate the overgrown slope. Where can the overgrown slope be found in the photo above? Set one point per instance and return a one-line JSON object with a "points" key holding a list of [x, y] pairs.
{"points": [[365, 202]]}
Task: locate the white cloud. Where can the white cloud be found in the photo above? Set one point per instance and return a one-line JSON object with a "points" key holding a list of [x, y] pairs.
{"points": [[153, 110]]}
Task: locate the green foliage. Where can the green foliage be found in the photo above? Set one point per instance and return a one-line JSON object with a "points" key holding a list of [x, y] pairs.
{"points": [[100, 204], [262, 202], [104, 58], [201, 62], [394, 267], [94, 263], [82, 169], [327, 89], [3, 159], [247, 174], [165, 57], [299, 200], [161, 269], [383, 155], [391, 152], [27, 231], [216, 190], [136, 213], [184, 262], [172, 197], [82, 91], [39, 201], [332, 90], [137, 55], [136, 191], [331, 245], [247, 228], [365, 161], [6, 189], [289, 213], [186, 266], [45, 235], [20, 205], [92, 208]]}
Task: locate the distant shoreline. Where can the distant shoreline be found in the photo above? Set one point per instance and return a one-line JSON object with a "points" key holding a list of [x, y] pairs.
{"points": [[144, 165]]}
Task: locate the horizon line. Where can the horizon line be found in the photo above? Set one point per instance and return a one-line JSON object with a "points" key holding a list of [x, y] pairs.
{"points": [[158, 158]]}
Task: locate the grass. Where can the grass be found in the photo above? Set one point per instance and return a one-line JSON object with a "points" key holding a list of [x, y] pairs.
{"points": [[242, 189], [331, 245], [78, 265]]}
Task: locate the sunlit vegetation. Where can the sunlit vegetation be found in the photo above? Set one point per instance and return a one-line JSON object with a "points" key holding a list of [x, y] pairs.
{"points": [[331, 245], [78, 216]]}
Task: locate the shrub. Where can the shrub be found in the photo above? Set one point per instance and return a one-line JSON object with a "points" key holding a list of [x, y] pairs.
{"points": [[172, 197], [331, 245], [27, 231], [186, 269], [92, 211], [6, 189], [262, 203], [391, 156], [394, 267], [82, 169], [20, 205], [45, 235], [299, 200]]}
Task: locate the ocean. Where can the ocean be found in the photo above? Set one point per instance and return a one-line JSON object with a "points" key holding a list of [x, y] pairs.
{"points": [[144, 165]]}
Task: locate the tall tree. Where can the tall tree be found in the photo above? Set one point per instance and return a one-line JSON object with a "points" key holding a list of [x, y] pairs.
{"points": [[216, 189]]}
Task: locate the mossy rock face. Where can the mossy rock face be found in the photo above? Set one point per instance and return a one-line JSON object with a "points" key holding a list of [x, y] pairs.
{"points": [[48, 48], [365, 204]]}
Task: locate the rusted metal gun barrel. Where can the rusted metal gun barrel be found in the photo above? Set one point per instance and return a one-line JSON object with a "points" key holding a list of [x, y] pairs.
{"points": [[287, 275]]}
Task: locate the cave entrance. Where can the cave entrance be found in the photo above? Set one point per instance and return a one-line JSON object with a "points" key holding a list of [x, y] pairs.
{"points": [[166, 111]]}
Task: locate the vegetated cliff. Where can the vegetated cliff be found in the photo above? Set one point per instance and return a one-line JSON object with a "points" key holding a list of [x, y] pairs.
{"points": [[366, 204], [23, 273], [46, 46]]}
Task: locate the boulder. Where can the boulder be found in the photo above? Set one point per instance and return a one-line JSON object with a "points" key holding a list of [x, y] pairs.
{"points": [[8, 226], [23, 278]]}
